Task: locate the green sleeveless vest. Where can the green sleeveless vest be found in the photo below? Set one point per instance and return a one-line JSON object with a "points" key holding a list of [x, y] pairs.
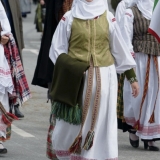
{"points": [[90, 38]]}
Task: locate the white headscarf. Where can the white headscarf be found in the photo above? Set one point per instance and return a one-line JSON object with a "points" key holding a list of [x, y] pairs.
{"points": [[88, 10], [106, 4], [145, 6]]}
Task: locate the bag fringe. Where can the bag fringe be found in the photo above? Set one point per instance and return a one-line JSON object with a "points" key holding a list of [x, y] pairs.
{"points": [[72, 115]]}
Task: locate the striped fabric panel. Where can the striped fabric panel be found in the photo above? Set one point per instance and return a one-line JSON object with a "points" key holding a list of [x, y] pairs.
{"points": [[142, 40]]}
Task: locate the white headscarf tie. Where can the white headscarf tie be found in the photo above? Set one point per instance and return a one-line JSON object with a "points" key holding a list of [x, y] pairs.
{"points": [[88, 10]]}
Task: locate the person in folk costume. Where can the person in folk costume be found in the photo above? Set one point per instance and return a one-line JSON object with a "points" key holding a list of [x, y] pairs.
{"points": [[119, 14], [142, 113], [6, 84], [79, 35], [154, 27], [55, 9], [12, 8]]}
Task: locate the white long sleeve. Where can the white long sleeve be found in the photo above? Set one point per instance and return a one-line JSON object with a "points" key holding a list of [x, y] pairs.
{"points": [[127, 28], [120, 51], [120, 10], [60, 40]]}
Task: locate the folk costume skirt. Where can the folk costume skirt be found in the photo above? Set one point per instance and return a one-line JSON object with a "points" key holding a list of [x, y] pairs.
{"points": [[147, 130], [105, 145]]}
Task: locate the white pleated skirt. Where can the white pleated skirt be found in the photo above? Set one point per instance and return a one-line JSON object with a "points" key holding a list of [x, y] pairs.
{"points": [[105, 145], [5, 102], [132, 105]]}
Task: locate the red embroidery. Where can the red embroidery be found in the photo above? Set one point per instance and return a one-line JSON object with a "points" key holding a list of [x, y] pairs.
{"points": [[63, 18], [81, 158], [4, 72], [144, 130], [128, 14], [131, 121], [62, 153], [3, 127], [133, 54], [114, 19]]}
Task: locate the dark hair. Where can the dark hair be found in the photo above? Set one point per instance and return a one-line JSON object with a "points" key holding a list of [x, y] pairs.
{"points": [[114, 3]]}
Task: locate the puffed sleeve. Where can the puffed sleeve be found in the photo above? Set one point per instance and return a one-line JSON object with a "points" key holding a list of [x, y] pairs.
{"points": [[127, 28], [4, 21], [120, 11], [61, 37], [121, 53]]}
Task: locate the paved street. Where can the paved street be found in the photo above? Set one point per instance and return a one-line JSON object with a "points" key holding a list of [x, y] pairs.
{"points": [[29, 135]]}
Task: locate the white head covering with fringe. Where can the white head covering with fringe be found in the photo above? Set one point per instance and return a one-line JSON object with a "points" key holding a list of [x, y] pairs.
{"points": [[145, 6], [88, 10]]}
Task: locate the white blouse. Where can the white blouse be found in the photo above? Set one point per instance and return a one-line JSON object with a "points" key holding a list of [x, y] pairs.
{"points": [[120, 10], [60, 42]]}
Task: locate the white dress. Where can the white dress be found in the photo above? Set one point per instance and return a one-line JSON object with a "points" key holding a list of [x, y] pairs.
{"points": [[6, 84], [132, 105], [105, 145]]}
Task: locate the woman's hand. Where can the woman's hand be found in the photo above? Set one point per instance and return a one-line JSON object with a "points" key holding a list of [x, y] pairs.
{"points": [[135, 89], [4, 40]]}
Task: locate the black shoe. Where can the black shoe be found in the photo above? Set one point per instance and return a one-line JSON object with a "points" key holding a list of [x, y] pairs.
{"points": [[17, 112], [134, 144], [3, 151], [151, 148]]}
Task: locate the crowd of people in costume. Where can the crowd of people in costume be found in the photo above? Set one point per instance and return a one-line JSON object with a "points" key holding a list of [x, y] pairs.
{"points": [[81, 53], [80, 36]]}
